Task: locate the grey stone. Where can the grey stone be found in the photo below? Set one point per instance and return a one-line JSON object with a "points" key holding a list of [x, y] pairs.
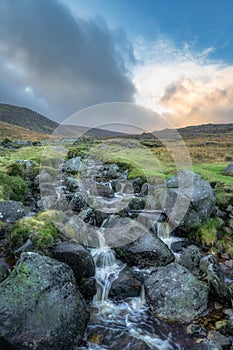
{"points": [[229, 169], [72, 165], [126, 285], [216, 280], [77, 202], [173, 293], [147, 250], [4, 270], [190, 258], [40, 305], [218, 340], [77, 257], [188, 200], [11, 211]]}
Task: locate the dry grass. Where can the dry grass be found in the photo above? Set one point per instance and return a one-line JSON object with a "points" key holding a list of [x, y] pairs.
{"points": [[14, 132]]}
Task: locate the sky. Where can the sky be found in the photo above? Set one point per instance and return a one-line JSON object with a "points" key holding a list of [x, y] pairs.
{"points": [[173, 57]]}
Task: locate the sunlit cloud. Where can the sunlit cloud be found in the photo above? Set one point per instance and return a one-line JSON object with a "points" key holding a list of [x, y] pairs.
{"points": [[184, 85]]}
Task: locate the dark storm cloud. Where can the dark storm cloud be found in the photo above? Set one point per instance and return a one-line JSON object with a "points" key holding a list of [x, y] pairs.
{"points": [[58, 62]]}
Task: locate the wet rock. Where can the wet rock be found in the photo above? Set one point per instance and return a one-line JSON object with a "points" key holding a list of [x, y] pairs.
{"points": [[71, 166], [40, 305], [188, 200], [77, 202], [126, 285], [71, 184], [216, 279], [137, 203], [88, 287], [190, 258], [77, 257], [4, 270], [144, 189], [218, 340], [109, 171], [147, 250], [173, 293], [137, 184], [229, 169], [102, 190], [11, 211], [108, 338]]}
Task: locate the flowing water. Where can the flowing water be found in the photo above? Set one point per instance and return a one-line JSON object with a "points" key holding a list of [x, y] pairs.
{"points": [[123, 325]]}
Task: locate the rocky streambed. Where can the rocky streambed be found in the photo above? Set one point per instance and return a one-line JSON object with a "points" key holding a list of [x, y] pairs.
{"points": [[104, 262]]}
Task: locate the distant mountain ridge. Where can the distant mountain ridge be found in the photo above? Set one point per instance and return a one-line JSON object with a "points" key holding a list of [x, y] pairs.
{"points": [[26, 118], [189, 132], [31, 120]]}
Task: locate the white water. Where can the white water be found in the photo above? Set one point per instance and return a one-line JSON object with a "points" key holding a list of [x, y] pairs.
{"points": [[129, 317]]}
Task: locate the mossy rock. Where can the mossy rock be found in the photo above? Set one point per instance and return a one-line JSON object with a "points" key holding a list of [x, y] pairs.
{"points": [[39, 228], [224, 195], [12, 187], [210, 232]]}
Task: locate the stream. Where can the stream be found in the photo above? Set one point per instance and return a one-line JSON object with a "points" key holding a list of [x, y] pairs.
{"points": [[128, 324]]}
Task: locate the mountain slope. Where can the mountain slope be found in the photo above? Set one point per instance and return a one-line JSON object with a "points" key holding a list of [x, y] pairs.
{"points": [[26, 118], [14, 132]]}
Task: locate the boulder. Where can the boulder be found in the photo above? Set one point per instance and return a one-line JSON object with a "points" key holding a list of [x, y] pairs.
{"points": [[229, 169], [190, 258], [109, 171], [147, 250], [99, 189], [77, 257], [173, 293], [188, 200], [4, 270], [128, 284], [77, 202], [72, 165], [40, 305], [216, 280], [11, 211], [219, 341]]}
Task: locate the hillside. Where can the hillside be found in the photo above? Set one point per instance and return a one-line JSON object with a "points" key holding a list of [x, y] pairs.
{"points": [[26, 118], [74, 131], [14, 132], [194, 131]]}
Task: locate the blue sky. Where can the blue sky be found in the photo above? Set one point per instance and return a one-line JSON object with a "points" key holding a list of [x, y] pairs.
{"points": [[174, 57]]}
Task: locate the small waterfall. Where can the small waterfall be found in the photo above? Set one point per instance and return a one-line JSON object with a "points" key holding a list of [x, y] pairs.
{"points": [[107, 267], [163, 232], [128, 317]]}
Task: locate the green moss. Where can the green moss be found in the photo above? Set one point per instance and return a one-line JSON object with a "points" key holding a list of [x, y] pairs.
{"points": [[12, 187], [225, 246], [40, 228], [224, 195], [210, 232]]}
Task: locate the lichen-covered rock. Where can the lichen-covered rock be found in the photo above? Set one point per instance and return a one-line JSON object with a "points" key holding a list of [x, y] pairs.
{"points": [[11, 211], [188, 200], [40, 305], [72, 165], [173, 293], [216, 280], [77, 202], [190, 258], [219, 341]]}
